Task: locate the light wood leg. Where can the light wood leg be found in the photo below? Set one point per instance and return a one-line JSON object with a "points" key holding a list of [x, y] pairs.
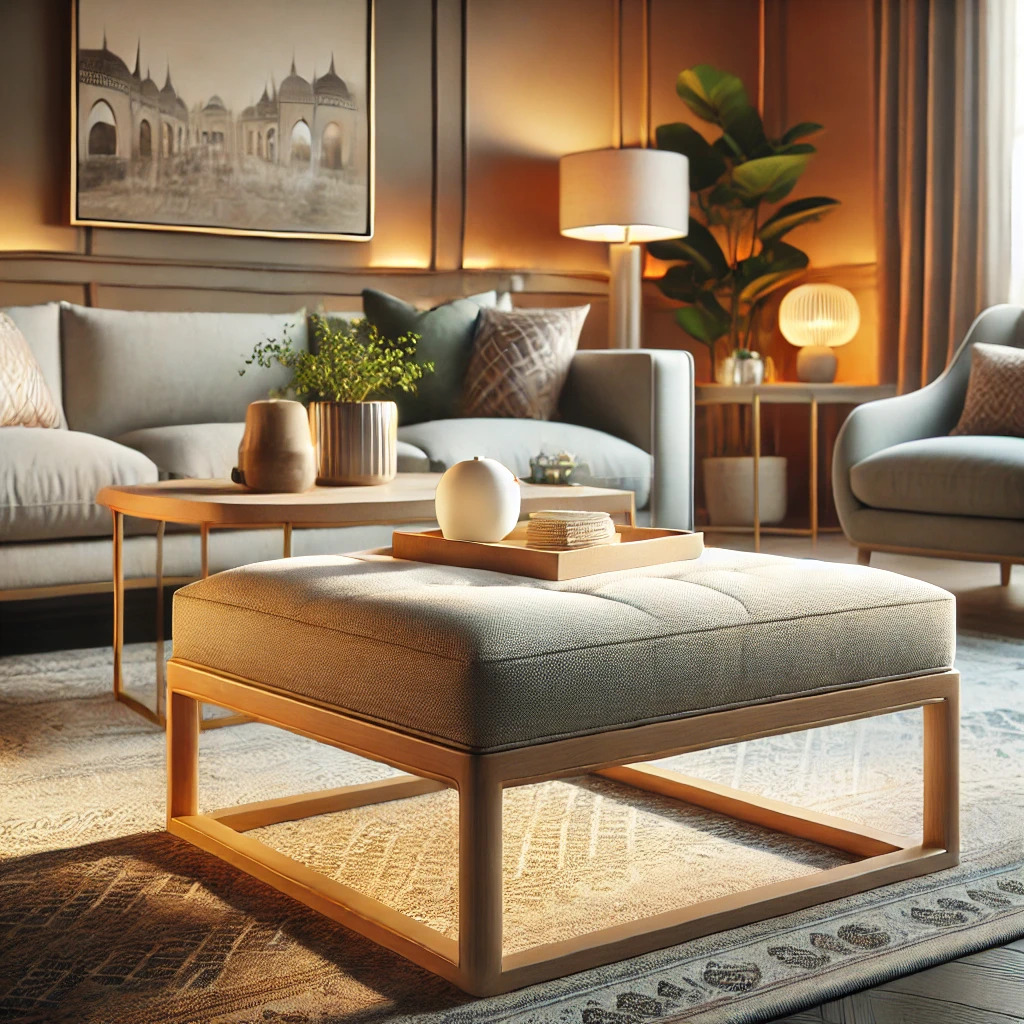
{"points": [[480, 923], [942, 773], [118, 570], [863, 556], [161, 682], [287, 541], [1005, 568], [182, 756], [204, 550]]}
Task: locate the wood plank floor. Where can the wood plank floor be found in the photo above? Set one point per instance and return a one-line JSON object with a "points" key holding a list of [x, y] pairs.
{"points": [[988, 987]]}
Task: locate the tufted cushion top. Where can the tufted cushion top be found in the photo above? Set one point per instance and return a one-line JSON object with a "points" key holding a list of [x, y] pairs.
{"points": [[485, 661]]}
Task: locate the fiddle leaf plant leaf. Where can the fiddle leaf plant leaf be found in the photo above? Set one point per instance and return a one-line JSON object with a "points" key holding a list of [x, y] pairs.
{"points": [[719, 97], [703, 324], [768, 178], [792, 215], [706, 164], [801, 131], [699, 247], [758, 276]]}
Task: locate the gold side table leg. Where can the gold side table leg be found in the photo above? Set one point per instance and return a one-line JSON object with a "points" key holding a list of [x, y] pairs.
{"points": [[756, 409], [161, 682], [287, 552], [204, 550], [814, 471], [118, 586]]}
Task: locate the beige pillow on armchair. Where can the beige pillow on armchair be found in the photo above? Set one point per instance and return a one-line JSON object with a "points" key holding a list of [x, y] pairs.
{"points": [[995, 392], [25, 400]]}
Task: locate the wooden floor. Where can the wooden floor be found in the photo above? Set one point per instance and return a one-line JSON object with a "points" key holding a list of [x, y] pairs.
{"points": [[987, 988]]}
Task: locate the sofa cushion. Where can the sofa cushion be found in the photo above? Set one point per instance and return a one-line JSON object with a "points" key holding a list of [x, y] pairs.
{"points": [[210, 450], [609, 461], [25, 399], [520, 361], [49, 480], [446, 339], [485, 660], [968, 475], [125, 371], [40, 327]]}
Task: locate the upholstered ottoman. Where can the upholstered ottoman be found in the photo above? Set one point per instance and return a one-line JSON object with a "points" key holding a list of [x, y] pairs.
{"points": [[478, 681]]}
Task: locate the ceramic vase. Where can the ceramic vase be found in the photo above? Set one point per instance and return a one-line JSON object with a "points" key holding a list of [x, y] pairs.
{"points": [[276, 453], [477, 500], [356, 442]]}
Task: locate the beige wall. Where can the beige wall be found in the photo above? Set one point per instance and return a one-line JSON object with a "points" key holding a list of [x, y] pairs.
{"points": [[475, 102]]}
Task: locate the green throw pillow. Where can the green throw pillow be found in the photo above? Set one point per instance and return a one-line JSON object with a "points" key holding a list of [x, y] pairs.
{"points": [[446, 339]]}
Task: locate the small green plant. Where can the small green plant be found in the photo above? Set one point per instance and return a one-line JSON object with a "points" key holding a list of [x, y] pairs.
{"points": [[349, 361]]}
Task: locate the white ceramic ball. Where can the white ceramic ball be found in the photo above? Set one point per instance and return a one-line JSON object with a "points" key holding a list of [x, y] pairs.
{"points": [[477, 500]]}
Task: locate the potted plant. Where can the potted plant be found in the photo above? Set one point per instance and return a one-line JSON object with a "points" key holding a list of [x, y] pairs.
{"points": [[345, 375], [734, 257]]}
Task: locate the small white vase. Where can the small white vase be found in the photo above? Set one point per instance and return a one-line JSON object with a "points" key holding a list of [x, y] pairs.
{"points": [[477, 500]]}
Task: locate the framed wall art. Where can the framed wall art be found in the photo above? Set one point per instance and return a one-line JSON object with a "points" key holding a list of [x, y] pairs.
{"points": [[242, 117]]}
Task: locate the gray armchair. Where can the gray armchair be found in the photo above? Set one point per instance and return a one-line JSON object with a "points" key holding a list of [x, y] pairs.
{"points": [[902, 484]]}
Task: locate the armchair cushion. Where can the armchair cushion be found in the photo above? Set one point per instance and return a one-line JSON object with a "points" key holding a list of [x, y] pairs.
{"points": [[995, 392], [968, 475], [611, 462]]}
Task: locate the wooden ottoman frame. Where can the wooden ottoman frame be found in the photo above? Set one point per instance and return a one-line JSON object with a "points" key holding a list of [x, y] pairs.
{"points": [[475, 961]]}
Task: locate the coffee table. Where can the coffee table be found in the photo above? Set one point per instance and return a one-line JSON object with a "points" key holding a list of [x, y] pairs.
{"points": [[221, 504]]}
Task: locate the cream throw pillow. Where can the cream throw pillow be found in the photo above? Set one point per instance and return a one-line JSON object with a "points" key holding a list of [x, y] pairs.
{"points": [[520, 360], [995, 392], [25, 400]]}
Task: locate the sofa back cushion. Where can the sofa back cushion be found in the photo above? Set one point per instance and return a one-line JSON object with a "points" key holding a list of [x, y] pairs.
{"points": [[128, 370], [40, 327]]}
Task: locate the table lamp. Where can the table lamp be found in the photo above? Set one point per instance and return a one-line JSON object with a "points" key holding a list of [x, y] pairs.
{"points": [[624, 196], [818, 318]]}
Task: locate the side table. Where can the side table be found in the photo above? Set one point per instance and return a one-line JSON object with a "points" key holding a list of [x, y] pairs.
{"points": [[787, 393]]}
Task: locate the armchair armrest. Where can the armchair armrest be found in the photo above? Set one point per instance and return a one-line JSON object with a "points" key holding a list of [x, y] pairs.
{"points": [[644, 396]]}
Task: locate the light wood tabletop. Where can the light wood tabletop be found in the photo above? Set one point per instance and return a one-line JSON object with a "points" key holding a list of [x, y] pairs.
{"points": [[407, 498]]}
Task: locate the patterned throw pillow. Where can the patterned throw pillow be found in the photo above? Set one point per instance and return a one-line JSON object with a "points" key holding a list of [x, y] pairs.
{"points": [[995, 392], [25, 400], [520, 361]]}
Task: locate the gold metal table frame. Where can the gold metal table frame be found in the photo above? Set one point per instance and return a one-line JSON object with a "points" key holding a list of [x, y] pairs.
{"points": [[785, 393], [220, 504], [476, 961]]}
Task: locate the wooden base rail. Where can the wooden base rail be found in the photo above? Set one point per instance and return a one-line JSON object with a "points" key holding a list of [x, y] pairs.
{"points": [[476, 961]]}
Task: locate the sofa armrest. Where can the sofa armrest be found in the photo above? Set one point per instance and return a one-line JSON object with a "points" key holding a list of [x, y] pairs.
{"points": [[644, 396]]}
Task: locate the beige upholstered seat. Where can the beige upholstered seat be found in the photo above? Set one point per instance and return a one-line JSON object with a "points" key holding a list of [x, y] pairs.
{"points": [[484, 661]]}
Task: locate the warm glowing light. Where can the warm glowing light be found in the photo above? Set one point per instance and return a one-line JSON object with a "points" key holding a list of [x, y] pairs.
{"points": [[819, 315]]}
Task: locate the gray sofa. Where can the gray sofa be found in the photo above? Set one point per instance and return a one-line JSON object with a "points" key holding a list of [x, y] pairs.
{"points": [[151, 395], [901, 483]]}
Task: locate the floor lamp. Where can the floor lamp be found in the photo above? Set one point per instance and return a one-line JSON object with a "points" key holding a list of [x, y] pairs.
{"points": [[625, 197]]}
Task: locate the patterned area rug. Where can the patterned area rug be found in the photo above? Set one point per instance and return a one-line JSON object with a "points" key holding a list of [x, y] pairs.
{"points": [[107, 920]]}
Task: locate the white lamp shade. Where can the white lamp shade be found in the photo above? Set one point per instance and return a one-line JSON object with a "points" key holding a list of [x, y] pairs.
{"points": [[624, 195], [822, 315]]}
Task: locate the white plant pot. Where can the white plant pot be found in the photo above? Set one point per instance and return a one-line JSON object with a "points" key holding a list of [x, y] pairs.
{"points": [[729, 490]]}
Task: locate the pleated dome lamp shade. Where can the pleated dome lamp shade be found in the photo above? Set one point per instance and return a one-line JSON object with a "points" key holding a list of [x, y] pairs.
{"points": [[818, 318], [624, 196]]}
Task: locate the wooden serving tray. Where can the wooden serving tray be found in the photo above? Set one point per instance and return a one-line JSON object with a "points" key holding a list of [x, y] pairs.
{"points": [[633, 548]]}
